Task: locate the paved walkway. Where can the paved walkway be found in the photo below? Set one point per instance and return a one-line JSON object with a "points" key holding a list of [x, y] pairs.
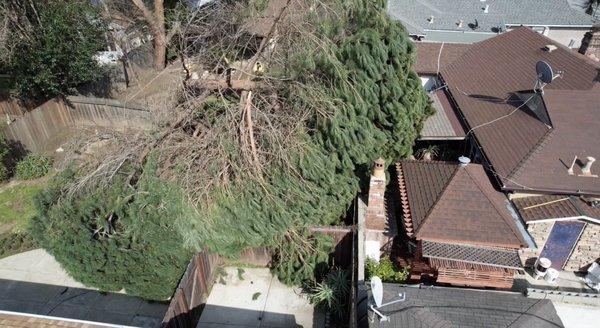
{"points": [[33, 282], [257, 300]]}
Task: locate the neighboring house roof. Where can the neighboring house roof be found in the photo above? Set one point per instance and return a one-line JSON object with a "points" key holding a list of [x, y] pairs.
{"points": [[443, 307], [445, 202], [553, 207], [416, 14], [444, 123], [426, 62], [525, 152]]}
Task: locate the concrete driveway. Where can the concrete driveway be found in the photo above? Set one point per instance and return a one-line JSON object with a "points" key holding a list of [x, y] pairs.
{"points": [[258, 299], [33, 282]]}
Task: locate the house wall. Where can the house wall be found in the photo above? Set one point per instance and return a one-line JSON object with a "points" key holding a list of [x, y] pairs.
{"points": [[539, 232], [561, 35], [586, 251], [565, 36]]}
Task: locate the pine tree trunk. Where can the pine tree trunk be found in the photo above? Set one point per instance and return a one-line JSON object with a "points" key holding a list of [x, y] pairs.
{"points": [[160, 53]]}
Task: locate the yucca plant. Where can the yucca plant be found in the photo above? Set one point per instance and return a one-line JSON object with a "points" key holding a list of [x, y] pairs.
{"points": [[332, 293]]}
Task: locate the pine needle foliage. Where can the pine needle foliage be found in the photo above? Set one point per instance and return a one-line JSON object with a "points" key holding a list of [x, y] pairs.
{"points": [[355, 73], [115, 238], [378, 103]]}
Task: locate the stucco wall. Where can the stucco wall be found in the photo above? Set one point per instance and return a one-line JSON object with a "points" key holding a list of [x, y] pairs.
{"points": [[561, 35], [586, 251], [564, 36]]}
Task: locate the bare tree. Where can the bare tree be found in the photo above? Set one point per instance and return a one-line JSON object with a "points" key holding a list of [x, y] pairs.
{"points": [[156, 24]]}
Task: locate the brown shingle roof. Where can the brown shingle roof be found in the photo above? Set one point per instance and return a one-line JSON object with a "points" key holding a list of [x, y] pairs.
{"points": [[536, 208], [447, 203], [522, 150], [428, 53]]}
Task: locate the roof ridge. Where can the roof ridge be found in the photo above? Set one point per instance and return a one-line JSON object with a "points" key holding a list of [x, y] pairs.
{"points": [[536, 148], [511, 226]]}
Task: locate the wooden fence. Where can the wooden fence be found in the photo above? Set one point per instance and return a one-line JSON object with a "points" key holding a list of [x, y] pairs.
{"points": [[191, 294], [57, 117], [10, 107]]}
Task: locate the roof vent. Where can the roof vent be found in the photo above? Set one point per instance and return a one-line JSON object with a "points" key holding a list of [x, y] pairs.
{"points": [[460, 23], [586, 170], [549, 47], [430, 19], [464, 160], [486, 9]]}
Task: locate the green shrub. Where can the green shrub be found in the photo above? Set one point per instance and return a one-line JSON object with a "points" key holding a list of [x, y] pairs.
{"points": [[386, 270], [15, 242], [116, 238], [33, 166]]}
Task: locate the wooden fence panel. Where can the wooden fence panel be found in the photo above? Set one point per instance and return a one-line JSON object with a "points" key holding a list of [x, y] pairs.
{"points": [[11, 107], [192, 292], [57, 116]]}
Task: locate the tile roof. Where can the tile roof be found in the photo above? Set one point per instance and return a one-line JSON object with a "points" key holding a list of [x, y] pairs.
{"points": [[443, 124], [414, 14], [504, 258], [429, 52], [536, 208], [10, 320], [448, 203], [525, 153], [442, 307]]}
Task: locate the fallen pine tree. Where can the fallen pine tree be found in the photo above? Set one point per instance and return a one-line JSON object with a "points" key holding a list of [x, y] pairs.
{"points": [[272, 139]]}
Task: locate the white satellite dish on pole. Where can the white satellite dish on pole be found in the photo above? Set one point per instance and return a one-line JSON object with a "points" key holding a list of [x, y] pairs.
{"points": [[545, 75], [377, 294], [377, 290]]}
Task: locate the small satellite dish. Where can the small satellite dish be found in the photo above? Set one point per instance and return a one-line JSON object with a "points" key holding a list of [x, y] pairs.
{"points": [[377, 290], [544, 72]]}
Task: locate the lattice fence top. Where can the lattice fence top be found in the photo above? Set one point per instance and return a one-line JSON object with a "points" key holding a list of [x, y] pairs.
{"points": [[473, 254]]}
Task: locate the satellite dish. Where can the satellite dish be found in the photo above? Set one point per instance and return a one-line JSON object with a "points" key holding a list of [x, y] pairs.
{"points": [[544, 71], [377, 290]]}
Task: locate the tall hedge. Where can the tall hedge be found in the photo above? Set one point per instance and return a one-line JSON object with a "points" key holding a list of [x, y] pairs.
{"points": [[53, 44]]}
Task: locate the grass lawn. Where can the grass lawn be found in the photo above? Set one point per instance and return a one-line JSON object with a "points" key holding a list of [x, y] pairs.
{"points": [[16, 208], [16, 204]]}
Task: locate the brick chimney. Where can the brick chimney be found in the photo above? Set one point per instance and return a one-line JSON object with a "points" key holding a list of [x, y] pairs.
{"points": [[379, 231], [590, 45]]}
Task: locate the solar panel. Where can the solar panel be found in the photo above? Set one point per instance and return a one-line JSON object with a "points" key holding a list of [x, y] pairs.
{"points": [[561, 241]]}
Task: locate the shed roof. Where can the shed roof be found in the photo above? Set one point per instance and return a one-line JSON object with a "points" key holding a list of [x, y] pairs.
{"points": [[443, 307], [550, 207], [446, 202], [524, 152], [415, 15], [444, 123]]}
